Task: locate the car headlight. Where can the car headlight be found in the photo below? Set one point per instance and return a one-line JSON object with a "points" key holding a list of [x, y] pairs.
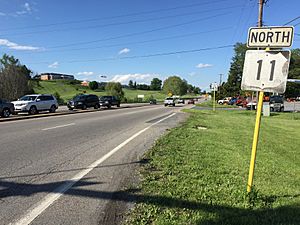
{"points": [[106, 101], [79, 103]]}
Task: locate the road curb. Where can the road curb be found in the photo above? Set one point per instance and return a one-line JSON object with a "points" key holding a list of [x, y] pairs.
{"points": [[2, 120]]}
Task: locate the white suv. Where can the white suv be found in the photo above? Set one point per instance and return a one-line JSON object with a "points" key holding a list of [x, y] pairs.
{"points": [[169, 101], [35, 103]]}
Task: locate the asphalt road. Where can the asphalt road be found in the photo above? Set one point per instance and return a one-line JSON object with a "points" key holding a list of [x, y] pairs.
{"points": [[72, 169]]}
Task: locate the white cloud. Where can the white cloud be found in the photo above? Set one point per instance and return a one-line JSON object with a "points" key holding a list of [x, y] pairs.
{"points": [[124, 51], [27, 6], [2, 14], [26, 9], [203, 65], [85, 73], [54, 65], [139, 78], [15, 46]]}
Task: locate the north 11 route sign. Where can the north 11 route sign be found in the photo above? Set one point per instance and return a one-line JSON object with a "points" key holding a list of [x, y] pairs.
{"points": [[266, 71]]}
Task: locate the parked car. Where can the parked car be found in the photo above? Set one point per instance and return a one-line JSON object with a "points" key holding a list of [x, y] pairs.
{"points": [[36, 103], [180, 101], [232, 101], [153, 101], [224, 101], [191, 101], [276, 103], [109, 101], [84, 101], [169, 101], [6, 108], [251, 105]]}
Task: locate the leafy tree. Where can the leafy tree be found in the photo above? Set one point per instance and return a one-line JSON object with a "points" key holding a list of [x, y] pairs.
{"points": [[142, 87], [134, 85], [130, 84], [233, 85], [115, 88], [175, 85], [14, 78], [293, 89], [93, 85], [156, 84]]}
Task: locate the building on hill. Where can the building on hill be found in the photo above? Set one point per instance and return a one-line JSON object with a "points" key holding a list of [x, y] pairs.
{"points": [[85, 83], [56, 76]]}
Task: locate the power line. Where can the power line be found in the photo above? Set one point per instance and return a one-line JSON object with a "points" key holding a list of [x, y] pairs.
{"points": [[123, 23], [138, 33], [298, 17], [133, 43], [143, 56], [118, 16]]}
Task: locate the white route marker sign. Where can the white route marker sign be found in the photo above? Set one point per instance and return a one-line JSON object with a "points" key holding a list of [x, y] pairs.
{"points": [[274, 37], [266, 70]]}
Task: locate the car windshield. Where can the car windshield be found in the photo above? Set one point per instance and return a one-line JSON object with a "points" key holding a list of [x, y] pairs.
{"points": [[79, 97], [169, 98], [105, 98], [28, 98]]}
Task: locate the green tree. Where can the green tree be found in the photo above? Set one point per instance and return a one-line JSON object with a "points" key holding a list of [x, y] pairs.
{"points": [[156, 84], [115, 89], [293, 89], [14, 78], [175, 85], [130, 84], [233, 85], [93, 85]]}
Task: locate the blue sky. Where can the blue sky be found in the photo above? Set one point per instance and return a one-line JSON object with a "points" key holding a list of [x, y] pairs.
{"points": [[118, 38]]}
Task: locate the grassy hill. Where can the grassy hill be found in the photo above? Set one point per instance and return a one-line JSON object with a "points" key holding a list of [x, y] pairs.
{"points": [[68, 89]]}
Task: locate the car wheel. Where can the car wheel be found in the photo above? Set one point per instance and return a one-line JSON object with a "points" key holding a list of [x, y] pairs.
{"points": [[118, 105], [174, 104], [52, 109], [33, 110], [96, 106], [165, 105], [282, 109], [83, 107], [109, 106], [272, 109], [5, 113]]}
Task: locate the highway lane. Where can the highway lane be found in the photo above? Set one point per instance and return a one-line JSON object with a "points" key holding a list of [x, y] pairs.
{"points": [[39, 156]]}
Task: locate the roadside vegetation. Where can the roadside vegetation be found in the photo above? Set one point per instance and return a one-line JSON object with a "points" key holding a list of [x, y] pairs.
{"points": [[209, 104], [197, 173]]}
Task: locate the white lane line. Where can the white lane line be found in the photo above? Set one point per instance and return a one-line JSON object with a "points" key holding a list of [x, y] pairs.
{"points": [[65, 125], [41, 206]]}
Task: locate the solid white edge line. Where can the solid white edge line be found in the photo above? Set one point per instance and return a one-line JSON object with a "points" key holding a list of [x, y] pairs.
{"points": [[52, 197], [65, 125]]}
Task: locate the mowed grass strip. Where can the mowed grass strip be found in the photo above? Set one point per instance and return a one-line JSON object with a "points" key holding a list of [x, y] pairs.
{"points": [[195, 175]]}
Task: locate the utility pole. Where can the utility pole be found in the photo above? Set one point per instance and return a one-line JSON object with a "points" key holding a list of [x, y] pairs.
{"points": [[258, 115], [220, 84]]}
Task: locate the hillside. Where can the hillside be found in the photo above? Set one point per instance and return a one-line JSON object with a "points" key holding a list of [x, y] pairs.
{"points": [[68, 89]]}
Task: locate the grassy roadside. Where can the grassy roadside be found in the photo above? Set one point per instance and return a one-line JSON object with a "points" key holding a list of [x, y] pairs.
{"points": [[198, 176], [209, 104]]}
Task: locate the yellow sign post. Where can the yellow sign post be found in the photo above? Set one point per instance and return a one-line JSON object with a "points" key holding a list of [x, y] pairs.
{"points": [[255, 141]]}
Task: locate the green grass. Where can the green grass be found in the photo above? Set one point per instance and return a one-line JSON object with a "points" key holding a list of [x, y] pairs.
{"points": [[209, 104], [67, 91], [196, 176]]}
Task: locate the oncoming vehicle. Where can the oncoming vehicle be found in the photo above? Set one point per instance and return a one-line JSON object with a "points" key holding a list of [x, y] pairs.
{"points": [[84, 102], [169, 101], [6, 108], [36, 103], [109, 101], [224, 101]]}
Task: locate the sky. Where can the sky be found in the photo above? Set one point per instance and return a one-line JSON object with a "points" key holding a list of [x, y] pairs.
{"points": [[122, 40]]}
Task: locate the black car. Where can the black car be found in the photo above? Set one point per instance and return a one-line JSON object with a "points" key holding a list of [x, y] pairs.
{"points": [[84, 102], [277, 103], [109, 101], [6, 108]]}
